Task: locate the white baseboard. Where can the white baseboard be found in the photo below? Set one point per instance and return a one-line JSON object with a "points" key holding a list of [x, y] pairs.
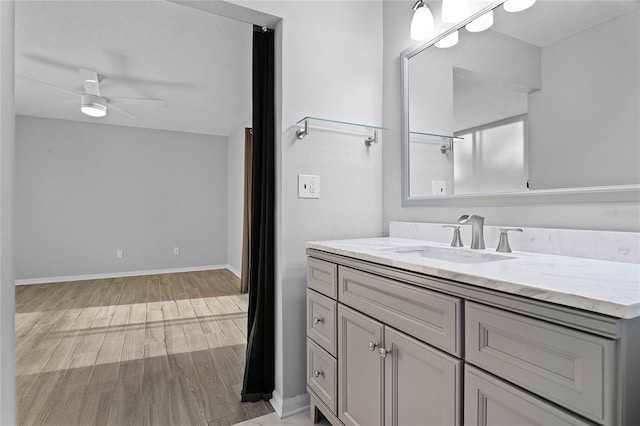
{"points": [[276, 403], [234, 270], [69, 278], [289, 406]]}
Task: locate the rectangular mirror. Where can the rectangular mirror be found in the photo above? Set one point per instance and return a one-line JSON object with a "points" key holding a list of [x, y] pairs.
{"points": [[543, 106]]}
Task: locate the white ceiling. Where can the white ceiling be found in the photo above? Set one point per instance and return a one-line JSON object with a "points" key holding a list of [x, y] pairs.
{"points": [[549, 21], [199, 63]]}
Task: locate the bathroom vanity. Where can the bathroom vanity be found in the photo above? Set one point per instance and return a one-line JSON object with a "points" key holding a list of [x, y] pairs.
{"points": [[409, 332]]}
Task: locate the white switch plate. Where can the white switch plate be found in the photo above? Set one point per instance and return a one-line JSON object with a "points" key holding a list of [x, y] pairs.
{"points": [[176, 250], [308, 186], [438, 187], [119, 254]]}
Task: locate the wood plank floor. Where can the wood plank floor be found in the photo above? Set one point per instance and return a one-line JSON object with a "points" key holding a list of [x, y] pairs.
{"points": [[154, 350]]}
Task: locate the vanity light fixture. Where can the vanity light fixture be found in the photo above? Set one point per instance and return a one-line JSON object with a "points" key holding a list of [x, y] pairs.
{"points": [[422, 24], [93, 106], [454, 11], [448, 41], [481, 23], [517, 5]]}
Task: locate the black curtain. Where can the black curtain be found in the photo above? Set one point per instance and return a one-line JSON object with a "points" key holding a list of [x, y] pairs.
{"points": [[259, 371]]}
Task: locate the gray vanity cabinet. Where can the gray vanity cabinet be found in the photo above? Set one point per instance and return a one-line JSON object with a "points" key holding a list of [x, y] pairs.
{"points": [[387, 377], [377, 349], [393, 347]]}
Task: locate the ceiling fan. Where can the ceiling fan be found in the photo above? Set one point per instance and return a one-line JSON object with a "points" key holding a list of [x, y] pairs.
{"points": [[92, 102]]}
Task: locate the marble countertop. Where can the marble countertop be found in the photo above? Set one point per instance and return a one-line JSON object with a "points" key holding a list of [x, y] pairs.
{"points": [[605, 287]]}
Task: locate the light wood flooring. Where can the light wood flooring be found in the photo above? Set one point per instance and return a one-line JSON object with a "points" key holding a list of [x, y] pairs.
{"points": [[161, 350]]}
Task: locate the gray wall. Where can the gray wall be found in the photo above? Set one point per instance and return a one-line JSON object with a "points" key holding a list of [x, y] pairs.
{"points": [[584, 77], [7, 161], [84, 191], [331, 67], [598, 216], [235, 198]]}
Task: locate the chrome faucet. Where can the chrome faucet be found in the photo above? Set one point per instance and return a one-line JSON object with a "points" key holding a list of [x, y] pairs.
{"points": [[477, 226]]}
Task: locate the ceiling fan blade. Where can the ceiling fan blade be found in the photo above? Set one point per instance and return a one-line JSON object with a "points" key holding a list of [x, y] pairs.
{"points": [[123, 112], [21, 77], [91, 81], [75, 101], [51, 63], [137, 101], [124, 77]]}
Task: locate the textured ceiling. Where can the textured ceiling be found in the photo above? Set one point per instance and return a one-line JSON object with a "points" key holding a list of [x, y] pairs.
{"points": [[199, 63]]}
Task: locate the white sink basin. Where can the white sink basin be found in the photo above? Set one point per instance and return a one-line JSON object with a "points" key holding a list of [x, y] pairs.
{"points": [[454, 255]]}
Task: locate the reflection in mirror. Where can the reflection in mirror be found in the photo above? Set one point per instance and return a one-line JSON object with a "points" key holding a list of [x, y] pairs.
{"points": [[547, 98]]}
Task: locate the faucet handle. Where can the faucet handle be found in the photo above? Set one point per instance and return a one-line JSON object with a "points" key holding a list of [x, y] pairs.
{"points": [[503, 245], [465, 219], [456, 241]]}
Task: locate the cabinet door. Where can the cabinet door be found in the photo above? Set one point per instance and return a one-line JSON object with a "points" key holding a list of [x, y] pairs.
{"points": [[492, 402], [422, 384], [360, 368]]}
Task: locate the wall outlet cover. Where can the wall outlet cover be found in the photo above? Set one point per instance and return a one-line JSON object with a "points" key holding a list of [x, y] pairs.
{"points": [[308, 186], [176, 250], [438, 187], [119, 254]]}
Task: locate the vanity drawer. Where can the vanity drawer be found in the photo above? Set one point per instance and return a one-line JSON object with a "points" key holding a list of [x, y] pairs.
{"points": [[322, 374], [572, 368], [321, 276], [321, 321], [491, 402], [429, 316]]}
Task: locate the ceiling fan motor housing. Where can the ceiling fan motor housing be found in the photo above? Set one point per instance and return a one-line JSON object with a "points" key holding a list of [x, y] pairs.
{"points": [[92, 105]]}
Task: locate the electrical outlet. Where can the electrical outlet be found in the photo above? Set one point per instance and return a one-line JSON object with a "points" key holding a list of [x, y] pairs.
{"points": [[438, 187], [119, 254], [176, 250], [308, 186]]}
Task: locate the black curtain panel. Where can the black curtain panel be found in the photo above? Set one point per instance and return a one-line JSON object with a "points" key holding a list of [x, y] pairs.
{"points": [[259, 372]]}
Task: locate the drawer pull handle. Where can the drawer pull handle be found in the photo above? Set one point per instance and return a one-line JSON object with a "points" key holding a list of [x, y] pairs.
{"points": [[384, 352], [373, 346], [317, 320], [318, 373]]}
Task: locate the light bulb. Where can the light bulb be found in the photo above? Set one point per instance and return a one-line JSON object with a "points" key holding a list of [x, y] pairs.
{"points": [[454, 11], [481, 23], [517, 5], [448, 41], [94, 110], [422, 25]]}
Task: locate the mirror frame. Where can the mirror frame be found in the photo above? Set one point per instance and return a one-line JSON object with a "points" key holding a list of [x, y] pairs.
{"points": [[594, 194]]}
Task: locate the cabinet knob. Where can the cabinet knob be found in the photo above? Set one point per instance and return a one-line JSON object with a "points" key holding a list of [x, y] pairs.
{"points": [[372, 346], [317, 320], [318, 373], [384, 352]]}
